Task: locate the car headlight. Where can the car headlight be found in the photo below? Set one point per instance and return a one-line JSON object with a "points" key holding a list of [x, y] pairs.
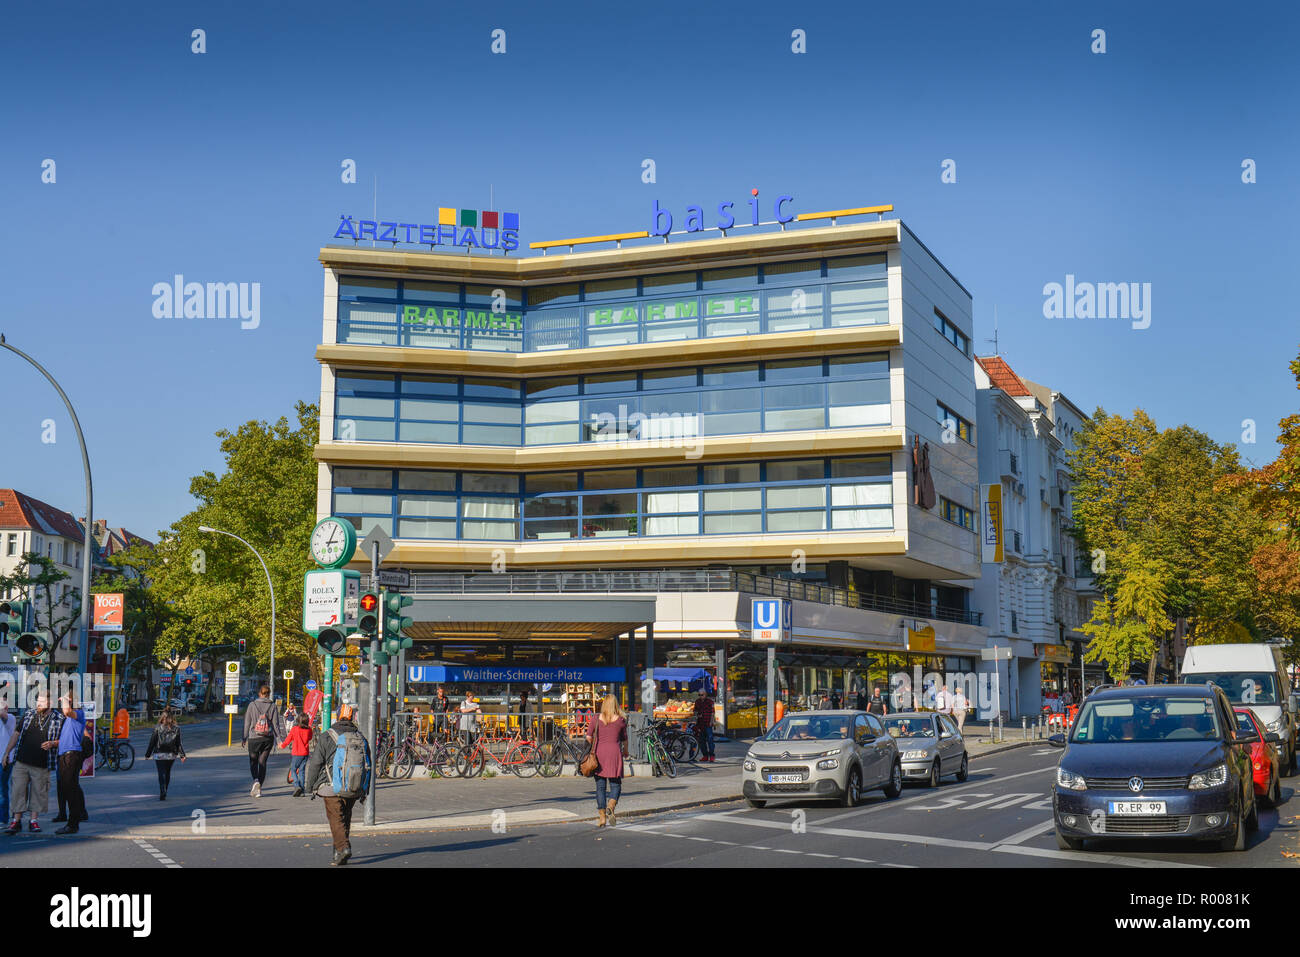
{"points": [[830, 764], [750, 764], [827, 754], [1069, 780], [915, 755], [1212, 778], [1274, 727]]}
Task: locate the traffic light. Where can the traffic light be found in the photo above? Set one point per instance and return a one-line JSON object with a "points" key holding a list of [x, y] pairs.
{"points": [[331, 641], [13, 614], [395, 624], [243, 642], [189, 684], [368, 619], [34, 645]]}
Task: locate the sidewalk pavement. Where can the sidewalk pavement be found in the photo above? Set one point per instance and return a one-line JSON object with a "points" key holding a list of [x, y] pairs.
{"points": [[209, 794]]}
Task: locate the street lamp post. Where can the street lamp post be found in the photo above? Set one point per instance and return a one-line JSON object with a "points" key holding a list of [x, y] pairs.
{"points": [[269, 585], [84, 623]]}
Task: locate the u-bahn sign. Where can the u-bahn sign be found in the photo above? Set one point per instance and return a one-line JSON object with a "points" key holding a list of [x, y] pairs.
{"points": [[468, 674]]}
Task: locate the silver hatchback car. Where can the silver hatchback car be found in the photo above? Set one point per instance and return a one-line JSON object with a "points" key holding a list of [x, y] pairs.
{"points": [[824, 755], [931, 745]]}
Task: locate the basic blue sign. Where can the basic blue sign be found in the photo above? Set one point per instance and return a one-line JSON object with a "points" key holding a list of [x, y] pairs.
{"points": [[189, 670], [770, 619], [469, 674], [311, 685], [343, 668]]}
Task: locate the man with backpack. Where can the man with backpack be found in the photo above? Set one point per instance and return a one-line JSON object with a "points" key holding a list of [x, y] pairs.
{"points": [[263, 730], [339, 771]]}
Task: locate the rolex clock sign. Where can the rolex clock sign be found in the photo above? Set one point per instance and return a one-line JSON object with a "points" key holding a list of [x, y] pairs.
{"points": [[330, 592], [333, 542]]}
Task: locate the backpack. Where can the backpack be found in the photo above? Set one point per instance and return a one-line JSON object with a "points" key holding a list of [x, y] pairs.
{"points": [[262, 726], [349, 771], [168, 739]]}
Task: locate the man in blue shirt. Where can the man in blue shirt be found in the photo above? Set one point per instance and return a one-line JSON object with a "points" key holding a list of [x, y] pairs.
{"points": [[70, 759]]}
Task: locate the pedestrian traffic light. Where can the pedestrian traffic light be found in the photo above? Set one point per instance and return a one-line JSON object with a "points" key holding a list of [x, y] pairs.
{"points": [[13, 614], [243, 643], [331, 641], [368, 619], [34, 645], [394, 623]]}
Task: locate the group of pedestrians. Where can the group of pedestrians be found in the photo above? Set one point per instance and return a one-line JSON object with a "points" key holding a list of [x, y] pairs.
{"points": [[48, 743]]}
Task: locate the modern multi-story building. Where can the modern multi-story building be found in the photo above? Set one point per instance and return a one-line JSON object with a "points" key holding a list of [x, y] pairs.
{"points": [[1038, 596], [597, 458], [30, 525]]}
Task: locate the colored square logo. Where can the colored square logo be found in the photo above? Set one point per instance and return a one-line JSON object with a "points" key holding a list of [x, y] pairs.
{"points": [[446, 216], [469, 217], [509, 220], [491, 220]]}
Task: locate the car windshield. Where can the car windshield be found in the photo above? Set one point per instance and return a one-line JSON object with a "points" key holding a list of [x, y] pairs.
{"points": [[914, 727], [1241, 687], [801, 727], [1146, 719]]}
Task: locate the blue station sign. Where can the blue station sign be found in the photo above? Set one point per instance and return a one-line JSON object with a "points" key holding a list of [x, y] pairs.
{"points": [[471, 674]]}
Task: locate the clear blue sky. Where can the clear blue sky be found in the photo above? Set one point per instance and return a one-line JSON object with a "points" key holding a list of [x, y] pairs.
{"points": [[225, 167]]}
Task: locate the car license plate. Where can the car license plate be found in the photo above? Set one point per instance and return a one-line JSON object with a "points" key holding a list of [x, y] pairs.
{"points": [[784, 778], [1137, 807]]}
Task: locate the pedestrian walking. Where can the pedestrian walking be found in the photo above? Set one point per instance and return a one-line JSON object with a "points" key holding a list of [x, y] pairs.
{"points": [[704, 724], [165, 748], [34, 751], [263, 730], [960, 705], [8, 728], [836, 699], [71, 737], [299, 738], [877, 704], [943, 700], [609, 745], [339, 771]]}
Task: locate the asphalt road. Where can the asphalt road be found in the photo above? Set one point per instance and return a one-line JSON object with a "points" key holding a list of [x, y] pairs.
{"points": [[1001, 816]]}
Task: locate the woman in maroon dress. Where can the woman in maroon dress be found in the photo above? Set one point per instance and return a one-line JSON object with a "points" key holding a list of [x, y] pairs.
{"points": [[609, 742]]}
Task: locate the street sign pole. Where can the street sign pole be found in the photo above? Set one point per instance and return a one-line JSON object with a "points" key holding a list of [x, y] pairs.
{"points": [[374, 685], [771, 685]]}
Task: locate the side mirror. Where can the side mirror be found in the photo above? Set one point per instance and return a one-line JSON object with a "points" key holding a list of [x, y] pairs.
{"points": [[1246, 737], [1293, 702], [1272, 737], [1057, 740]]}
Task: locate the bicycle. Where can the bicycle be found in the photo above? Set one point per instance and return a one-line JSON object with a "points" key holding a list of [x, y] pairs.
{"points": [[117, 753], [661, 762], [681, 743], [555, 753], [398, 762], [521, 757]]}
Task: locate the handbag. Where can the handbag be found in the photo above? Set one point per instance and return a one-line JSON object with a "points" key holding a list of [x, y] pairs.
{"points": [[590, 763]]}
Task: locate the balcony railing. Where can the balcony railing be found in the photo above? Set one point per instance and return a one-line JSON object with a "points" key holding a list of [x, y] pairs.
{"points": [[1009, 464], [673, 580]]}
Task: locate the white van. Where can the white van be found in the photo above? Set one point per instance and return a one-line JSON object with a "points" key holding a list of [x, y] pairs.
{"points": [[1253, 675]]}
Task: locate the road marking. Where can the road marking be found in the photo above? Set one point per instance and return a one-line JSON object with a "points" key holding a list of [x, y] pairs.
{"points": [[1001, 802], [156, 854], [1000, 847], [1021, 836], [920, 797]]}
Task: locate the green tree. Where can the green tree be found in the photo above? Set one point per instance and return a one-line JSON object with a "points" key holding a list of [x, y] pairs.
{"points": [[36, 578], [1128, 626], [267, 496]]}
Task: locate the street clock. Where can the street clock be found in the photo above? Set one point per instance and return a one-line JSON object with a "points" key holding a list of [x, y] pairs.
{"points": [[333, 542]]}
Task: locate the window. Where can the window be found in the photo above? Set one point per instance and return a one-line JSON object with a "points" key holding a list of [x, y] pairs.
{"points": [[957, 514], [1015, 629], [12, 547], [951, 332], [949, 419]]}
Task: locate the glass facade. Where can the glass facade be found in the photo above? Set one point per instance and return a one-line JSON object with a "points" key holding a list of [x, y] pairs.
{"points": [[659, 404], [697, 304], [817, 494]]}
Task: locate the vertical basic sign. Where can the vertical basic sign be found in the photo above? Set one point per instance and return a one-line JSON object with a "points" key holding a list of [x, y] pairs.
{"points": [[770, 624]]}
